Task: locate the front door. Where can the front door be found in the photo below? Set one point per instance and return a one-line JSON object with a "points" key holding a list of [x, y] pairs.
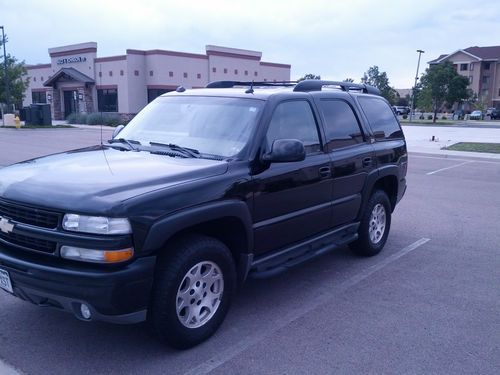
{"points": [[69, 102], [292, 201]]}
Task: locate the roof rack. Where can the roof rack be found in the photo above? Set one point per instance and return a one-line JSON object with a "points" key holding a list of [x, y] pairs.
{"points": [[317, 85], [230, 84], [302, 86]]}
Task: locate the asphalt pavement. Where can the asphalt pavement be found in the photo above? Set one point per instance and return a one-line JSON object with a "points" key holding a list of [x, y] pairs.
{"points": [[428, 304]]}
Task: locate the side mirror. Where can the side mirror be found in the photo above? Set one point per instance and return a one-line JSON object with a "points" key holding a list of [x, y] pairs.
{"points": [[285, 151], [117, 130]]}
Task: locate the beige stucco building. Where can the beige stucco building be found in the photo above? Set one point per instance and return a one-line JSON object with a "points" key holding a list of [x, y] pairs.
{"points": [[481, 66], [76, 80]]}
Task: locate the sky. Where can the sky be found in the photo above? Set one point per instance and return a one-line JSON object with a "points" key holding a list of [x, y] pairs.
{"points": [[334, 39]]}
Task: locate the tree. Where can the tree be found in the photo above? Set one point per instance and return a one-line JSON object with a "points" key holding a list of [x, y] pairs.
{"points": [[309, 76], [380, 80], [348, 80], [17, 77], [442, 85]]}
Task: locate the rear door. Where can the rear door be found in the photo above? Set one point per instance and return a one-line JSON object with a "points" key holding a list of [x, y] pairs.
{"points": [[292, 201], [351, 154]]}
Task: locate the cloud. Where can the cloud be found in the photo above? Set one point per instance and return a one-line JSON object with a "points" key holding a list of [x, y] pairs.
{"points": [[336, 39]]}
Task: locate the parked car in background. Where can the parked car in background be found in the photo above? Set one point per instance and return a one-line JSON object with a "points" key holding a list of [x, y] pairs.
{"points": [[488, 111], [401, 110], [495, 114], [476, 115]]}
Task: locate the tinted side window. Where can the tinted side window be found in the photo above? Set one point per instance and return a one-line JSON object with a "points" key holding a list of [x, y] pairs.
{"points": [[381, 118], [342, 127], [294, 120]]}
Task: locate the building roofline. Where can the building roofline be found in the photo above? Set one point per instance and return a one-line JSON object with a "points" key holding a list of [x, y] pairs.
{"points": [[275, 65], [437, 61], [38, 66]]}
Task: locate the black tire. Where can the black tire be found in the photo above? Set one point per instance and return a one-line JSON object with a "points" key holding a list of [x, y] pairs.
{"points": [[364, 245], [171, 271]]}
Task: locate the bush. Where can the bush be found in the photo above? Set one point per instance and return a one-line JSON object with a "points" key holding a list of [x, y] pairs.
{"points": [[429, 117], [444, 117], [421, 117], [77, 118], [108, 119], [405, 117]]}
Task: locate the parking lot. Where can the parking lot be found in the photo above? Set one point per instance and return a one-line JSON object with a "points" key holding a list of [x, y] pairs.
{"points": [[429, 303]]}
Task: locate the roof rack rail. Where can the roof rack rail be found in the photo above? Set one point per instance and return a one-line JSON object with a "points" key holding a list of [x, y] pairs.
{"points": [[317, 85], [230, 84]]}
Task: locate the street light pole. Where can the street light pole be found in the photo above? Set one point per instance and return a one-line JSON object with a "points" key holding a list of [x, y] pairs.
{"points": [[412, 109]]}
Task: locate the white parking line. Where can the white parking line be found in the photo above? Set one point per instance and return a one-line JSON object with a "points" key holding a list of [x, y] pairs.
{"points": [[453, 166], [325, 297], [452, 159]]}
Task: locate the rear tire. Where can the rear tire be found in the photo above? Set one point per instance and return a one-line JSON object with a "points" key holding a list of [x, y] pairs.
{"points": [[374, 227], [192, 291]]}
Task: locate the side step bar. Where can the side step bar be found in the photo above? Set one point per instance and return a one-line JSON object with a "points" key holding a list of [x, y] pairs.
{"points": [[283, 259]]}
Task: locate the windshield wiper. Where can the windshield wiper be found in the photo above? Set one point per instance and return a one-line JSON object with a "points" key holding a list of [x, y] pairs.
{"points": [[185, 151], [129, 142]]}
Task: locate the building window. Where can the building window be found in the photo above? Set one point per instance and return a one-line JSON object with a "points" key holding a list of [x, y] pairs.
{"points": [[464, 67], [38, 97], [154, 93], [185, 75], [110, 73], [498, 92], [484, 80], [136, 73], [235, 71], [486, 66], [170, 74], [246, 72], [121, 72], [198, 76], [107, 100], [225, 70], [150, 73], [100, 74], [41, 78], [214, 70], [471, 67], [470, 80], [255, 74], [34, 79], [265, 79]]}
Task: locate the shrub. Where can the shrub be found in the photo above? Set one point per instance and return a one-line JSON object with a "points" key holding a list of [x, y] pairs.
{"points": [[108, 119], [429, 117], [77, 118], [421, 117], [405, 117], [444, 117]]}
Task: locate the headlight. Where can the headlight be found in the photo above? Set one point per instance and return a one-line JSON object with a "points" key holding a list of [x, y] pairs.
{"points": [[96, 224], [96, 256]]}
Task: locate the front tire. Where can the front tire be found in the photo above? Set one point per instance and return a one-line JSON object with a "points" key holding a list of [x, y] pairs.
{"points": [[192, 291], [374, 227]]}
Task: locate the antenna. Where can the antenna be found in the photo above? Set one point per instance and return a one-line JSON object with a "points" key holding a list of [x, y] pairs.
{"points": [[250, 90], [100, 112]]}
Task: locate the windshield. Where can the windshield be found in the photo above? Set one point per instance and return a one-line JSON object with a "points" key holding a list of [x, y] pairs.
{"points": [[211, 125]]}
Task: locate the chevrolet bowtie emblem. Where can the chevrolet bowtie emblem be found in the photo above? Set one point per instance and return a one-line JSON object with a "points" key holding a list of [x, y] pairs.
{"points": [[5, 225]]}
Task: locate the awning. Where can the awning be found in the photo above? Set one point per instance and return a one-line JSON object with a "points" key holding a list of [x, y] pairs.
{"points": [[68, 73]]}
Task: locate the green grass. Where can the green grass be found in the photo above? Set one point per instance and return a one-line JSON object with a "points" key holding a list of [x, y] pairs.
{"points": [[428, 122], [493, 148]]}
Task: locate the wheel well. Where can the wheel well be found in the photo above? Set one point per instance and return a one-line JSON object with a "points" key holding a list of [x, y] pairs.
{"points": [[389, 184], [228, 230]]}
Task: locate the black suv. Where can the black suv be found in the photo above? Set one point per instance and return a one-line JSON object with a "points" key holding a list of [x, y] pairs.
{"points": [[201, 189]]}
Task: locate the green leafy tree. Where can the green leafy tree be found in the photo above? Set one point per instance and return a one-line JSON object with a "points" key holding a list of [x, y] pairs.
{"points": [[380, 80], [17, 77], [441, 85], [309, 76]]}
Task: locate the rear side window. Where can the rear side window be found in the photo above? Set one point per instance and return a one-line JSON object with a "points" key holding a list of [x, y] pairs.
{"points": [[294, 120], [381, 118], [342, 127]]}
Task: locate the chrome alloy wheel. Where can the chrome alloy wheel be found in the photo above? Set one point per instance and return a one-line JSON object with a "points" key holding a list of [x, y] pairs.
{"points": [[377, 223], [199, 294]]}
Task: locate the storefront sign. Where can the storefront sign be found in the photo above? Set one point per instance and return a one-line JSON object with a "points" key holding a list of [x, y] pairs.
{"points": [[74, 59]]}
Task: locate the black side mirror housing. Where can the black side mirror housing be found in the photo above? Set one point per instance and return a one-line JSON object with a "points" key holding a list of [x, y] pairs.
{"points": [[117, 130], [285, 151]]}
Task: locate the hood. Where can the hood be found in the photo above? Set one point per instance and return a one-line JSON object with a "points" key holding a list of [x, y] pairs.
{"points": [[96, 179]]}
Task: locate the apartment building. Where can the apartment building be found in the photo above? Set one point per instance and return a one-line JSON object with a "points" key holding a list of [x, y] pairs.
{"points": [[76, 80], [481, 66]]}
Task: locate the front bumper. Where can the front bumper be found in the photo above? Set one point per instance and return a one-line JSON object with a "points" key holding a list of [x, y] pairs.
{"points": [[112, 295]]}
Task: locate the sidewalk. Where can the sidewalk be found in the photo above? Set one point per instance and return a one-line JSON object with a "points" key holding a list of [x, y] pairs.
{"points": [[419, 138]]}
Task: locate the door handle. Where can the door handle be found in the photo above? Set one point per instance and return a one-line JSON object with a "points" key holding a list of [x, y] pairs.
{"points": [[367, 162], [325, 172]]}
